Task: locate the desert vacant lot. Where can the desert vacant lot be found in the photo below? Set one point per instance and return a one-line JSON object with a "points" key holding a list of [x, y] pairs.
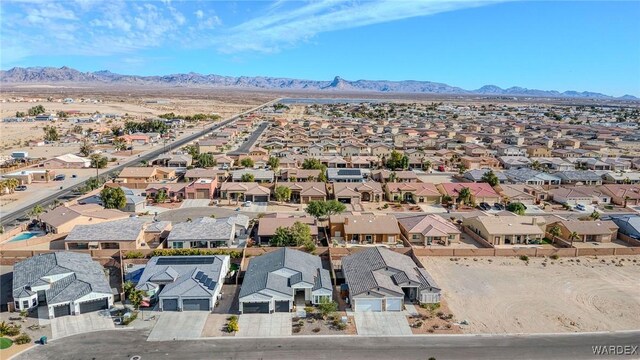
{"points": [[508, 296]]}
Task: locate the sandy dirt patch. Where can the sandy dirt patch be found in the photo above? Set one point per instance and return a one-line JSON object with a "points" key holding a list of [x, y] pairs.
{"points": [[507, 295]]}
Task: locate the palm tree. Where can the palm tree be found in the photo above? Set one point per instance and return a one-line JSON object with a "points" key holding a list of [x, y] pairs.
{"points": [[573, 236], [427, 165], [36, 211], [464, 195], [595, 215], [555, 231]]}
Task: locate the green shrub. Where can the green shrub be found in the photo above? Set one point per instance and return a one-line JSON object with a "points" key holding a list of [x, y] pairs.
{"points": [[430, 307], [130, 319], [9, 330], [22, 339], [524, 258], [555, 256], [341, 326], [133, 255], [234, 254], [233, 326], [309, 309]]}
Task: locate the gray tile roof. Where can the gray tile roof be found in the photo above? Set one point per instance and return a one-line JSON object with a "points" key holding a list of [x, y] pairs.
{"points": [[190, 276], [202, 229], [578, 175], [118, 230], [86, 276], [260, 273], [379, 267]]}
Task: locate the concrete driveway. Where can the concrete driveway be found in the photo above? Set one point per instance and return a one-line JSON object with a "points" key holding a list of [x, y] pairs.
{"points": [[255, 207], [179, 325], [80, 324], [264, 325], [190, 203], [382, 323]]}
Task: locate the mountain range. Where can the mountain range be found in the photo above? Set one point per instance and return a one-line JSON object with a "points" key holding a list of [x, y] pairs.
{"points": [[48, 75]]}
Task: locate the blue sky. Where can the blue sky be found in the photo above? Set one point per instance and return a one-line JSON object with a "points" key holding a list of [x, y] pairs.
{"points": [[573, 45]]}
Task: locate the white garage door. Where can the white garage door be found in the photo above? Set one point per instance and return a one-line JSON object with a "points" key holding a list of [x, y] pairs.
{"points": [[368, 305], [394, 304]]}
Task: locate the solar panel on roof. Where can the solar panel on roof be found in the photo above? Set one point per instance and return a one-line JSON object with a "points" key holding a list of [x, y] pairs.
{"points": [[199, 275], [348, 172], [192, 260]]}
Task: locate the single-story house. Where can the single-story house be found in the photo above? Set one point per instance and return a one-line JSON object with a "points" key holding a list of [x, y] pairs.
{"points": [[355, 193], [622, 194], [477, 174], [275, 281], [244, 191], [67, 161], [62, 219], [365, 229], [587, 231], [202, 233], [585, 195], [346, 175], [380, 279], [426, 230], [304, 192], [68, 283], [628, 225], [480, 192], [184, 283], [423, 193], [579, 177], [259, 175], [268, 224], [507, 230], [531, 177], [125, 234]]}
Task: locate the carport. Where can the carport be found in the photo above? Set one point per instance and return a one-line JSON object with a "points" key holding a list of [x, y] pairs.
{"points": [[255, 307]]}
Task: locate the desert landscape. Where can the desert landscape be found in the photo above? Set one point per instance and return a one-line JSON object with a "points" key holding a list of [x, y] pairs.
{"points": [[135, 104], [541, 295]]}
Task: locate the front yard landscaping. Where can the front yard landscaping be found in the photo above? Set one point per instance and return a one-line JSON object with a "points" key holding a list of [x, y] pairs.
{"points": [[5, 343], [315, 324], [433, 319]]}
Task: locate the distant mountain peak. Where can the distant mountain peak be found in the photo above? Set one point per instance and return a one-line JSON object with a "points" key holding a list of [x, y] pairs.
{"points": [[64, 74]]}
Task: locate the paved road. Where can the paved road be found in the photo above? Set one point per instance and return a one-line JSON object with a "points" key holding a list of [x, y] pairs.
{"points": [[244, 148], [8, 218], [124, 344]]}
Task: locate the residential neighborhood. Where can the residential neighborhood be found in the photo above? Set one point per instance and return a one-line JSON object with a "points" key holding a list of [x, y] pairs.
{"points": [[318, 221]]}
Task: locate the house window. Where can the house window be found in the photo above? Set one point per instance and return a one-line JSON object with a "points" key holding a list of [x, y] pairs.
{"points": [[177, 245], [368, 238], [25, 304], [34, 302], [17, 304], [415, 237], [199, 244]]}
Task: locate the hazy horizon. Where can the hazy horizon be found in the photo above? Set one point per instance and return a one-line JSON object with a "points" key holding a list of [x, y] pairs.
{"points": [[579, 46]]}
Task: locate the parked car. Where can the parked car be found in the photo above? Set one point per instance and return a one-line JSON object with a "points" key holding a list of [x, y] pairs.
{"points": [[580, 207], [247, 203], [21, 187], [484, 206], [60, 177], [498, 206]]}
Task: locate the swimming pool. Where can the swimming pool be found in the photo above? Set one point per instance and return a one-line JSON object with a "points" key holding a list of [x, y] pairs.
{"points": [[26, 235]]}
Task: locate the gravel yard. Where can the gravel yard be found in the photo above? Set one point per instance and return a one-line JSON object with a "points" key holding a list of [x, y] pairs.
{"points": [[508, 295]]}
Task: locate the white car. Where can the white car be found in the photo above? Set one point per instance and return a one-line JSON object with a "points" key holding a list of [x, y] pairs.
{"points": [[247, 203]]}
